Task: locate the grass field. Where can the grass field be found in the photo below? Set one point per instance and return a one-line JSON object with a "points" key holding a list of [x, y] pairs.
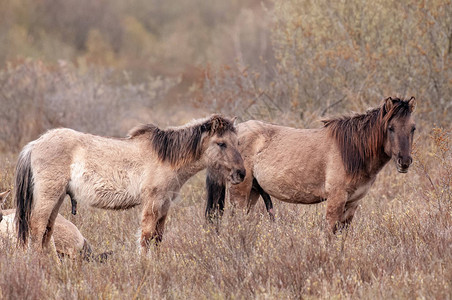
{"points": [[399, 246]]}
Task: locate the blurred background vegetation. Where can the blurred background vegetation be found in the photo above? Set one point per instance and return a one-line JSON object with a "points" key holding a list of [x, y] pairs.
{"points": [[102, 66]]}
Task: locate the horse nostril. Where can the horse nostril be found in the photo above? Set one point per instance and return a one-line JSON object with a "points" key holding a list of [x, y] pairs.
{"points": [[399, 161], [410, 160], [241, 174]]}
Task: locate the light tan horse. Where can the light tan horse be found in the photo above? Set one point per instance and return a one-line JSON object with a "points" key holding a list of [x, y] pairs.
{"points": [[68, 239], [148, 167], [338, 162]]}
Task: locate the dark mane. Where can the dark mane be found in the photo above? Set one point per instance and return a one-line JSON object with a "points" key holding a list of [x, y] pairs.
{"points": [[360, 137], [181, 145], [141, 129]]}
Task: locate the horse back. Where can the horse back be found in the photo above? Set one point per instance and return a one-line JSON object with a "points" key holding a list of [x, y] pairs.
{"points": [[104, 172], [288, 148], [54, 150]]}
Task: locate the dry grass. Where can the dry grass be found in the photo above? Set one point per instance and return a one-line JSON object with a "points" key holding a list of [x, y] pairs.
{"points": [[297, 61], [399, 246]]}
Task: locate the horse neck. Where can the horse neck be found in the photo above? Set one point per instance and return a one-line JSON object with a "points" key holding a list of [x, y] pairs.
{"points": [[188, 170], [379, 159], [377, 163]]}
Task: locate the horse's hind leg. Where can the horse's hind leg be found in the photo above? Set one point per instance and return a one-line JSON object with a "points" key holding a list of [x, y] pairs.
{"points": [[265, 196], [43, 216]]}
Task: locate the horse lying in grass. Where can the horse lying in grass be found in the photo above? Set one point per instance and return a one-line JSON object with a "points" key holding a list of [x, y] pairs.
{"points": [[68, 239], [148, 167], [338, 162]]}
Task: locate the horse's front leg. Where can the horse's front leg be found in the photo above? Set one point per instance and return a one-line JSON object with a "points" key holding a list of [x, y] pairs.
{"points": [[347, 217], [335, 210], [153, 221]]}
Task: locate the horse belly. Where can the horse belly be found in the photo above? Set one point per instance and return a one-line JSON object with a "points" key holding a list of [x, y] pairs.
{"points": [[293, 193], [110, 189], [292, 183], [303, 198], [293, 171]]}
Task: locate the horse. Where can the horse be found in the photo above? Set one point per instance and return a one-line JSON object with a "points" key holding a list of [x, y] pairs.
{"points": [[147, 167], [338, 162], [68, 240]]}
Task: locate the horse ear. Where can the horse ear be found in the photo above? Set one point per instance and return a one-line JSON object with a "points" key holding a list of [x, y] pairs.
{"points": [[4, 195], [412, 104], [215, 124], [234, 120], [388, 104]]}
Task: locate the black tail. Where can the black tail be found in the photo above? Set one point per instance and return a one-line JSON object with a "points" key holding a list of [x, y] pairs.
{"points": [[216, 193], [266, 197], [23, 193]]}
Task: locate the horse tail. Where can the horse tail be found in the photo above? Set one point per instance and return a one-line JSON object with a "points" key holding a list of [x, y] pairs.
{"points": [[216, 193], [23, 197]]}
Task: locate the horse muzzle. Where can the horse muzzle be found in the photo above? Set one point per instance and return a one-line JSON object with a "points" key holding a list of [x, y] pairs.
{"points": [[237, 176], [403, 163]]}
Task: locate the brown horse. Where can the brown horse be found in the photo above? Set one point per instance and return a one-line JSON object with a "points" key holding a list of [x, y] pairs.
{"points": [[68, 239], [338, 162], [149, 167]]}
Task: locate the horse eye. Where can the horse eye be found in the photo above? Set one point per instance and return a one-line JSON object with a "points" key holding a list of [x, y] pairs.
{"points": [[413, 129], [391, 129], [221, 145]]}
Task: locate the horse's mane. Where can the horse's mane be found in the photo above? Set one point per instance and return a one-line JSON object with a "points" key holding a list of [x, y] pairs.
{"points": [[181, 145], [360, 137]]}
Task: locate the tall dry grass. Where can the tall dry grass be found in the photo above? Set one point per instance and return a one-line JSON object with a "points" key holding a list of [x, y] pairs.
{"points": [[399, 246]]}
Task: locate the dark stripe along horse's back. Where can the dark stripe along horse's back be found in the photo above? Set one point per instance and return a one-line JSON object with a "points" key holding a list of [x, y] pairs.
{"points": [[338, 162]]}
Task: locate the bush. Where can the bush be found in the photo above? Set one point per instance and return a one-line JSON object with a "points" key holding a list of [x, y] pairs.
{"points": [[336, 57], [36, 97]]}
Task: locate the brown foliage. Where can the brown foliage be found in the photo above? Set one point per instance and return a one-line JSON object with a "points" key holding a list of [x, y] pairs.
{"points": [[296, 61], [35, 97]]}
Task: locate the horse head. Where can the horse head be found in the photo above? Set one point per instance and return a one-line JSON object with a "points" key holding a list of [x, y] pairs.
{"points": [[399, 128], [222, 155]]}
